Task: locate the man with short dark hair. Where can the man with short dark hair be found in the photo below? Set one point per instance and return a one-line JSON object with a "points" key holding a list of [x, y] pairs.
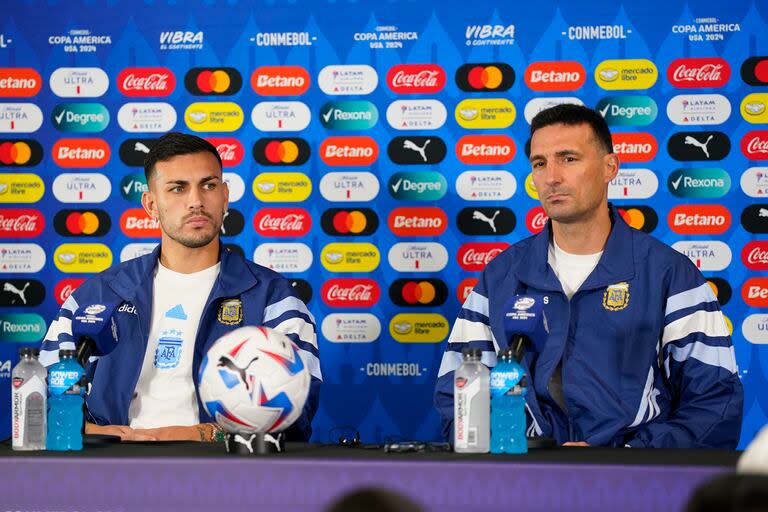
{"points": [[638, 353], [175, 303]]}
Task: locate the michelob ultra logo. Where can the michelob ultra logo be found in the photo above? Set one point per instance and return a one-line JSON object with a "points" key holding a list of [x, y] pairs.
{"points": [[280, 80], [626, 74], [754, 292], [79, 82], [349, 222], [698, 72], [418, 292], [485, 149], [81, 187], [754, 71], [349, 186], [280, 116], [755, 329], [418, 221], [700, 219], [482, 77], [351, 328], [633, 184], [282, 151], [142, 82], [347, 79], [82, 223], [567, 75], [485, 113], [21, 188], [639, 217], [343, 151], [350, 257], [282, 187], [22, 327], [418, 257], [698, 109], [349, 115], [79, 258], [20, 152], [691, 146], [213, 81], [80, 117], [20, 118], [634, 147], [416, 114], [417, 186], [80, 153], [19, 82], [214, 117], [754, 182], [754, 145], [536, 105], [418, 328], [628, 110], [707, 255], [754, 108], [702, 182]]}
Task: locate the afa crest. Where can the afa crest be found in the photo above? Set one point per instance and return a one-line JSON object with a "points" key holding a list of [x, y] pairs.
{"points": [[231, 312], [616, 297]]}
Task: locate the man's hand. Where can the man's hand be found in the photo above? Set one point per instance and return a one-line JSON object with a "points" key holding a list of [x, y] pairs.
{"points": [[125, 432], [176, 433], [576, 443]]}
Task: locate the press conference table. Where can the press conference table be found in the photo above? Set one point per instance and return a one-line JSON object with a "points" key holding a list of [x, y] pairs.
{"points": [[194, 477]]}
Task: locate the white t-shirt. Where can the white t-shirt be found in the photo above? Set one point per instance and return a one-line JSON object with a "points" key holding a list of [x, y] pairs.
{"points": [[571, 269], [165, 393]]}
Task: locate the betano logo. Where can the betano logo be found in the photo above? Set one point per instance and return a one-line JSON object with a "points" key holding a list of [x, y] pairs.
{"points": [[626, 74], [633, 184], [700, 219], [282, 187], [633, 147], [282, 151], [344, 151], [21, 188], [20, 118], [349, 115], [418, 328], [81, 188], [417, 186], [82, 223], [347, 222], [136, 223], [80, 258], [753, 108], [699, 183], [642, 218], [342, 187], [418, 221], [698, 72], [19, 82], [485, 149], [482, 77], [754, 292], [79, 82], [485, 113], [418, 257], [416, 78], [80, 117], [418, 292], [281, 116], [214, 117], [20, 152], [143, 82], [350, 257], [628, 110], [567, 75], [213, 81], [280, 80], [80, 153]]}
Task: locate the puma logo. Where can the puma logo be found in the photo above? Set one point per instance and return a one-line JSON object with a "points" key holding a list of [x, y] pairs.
{"points": [[8, 287], [701, 145], [478, 215], [409, 144]]}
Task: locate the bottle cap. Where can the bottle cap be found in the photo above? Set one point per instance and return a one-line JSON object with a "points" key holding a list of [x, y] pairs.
{"points": [[29, 352], [470, 354], [66, 353], [507, 354]]}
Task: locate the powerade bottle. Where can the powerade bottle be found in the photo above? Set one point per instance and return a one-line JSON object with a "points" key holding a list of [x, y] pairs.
{"points": [[28, 400], [66, 392], [471, 404], [509, 385]]}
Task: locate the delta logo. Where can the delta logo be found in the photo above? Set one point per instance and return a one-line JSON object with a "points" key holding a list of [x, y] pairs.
{"points": [[349, 151], [21, 188], [754, 182], [282, 222], [213, 81], [416, 114], [282, 187], [82, 223], [416, 78], [136, 223], [214, 117], [416, 150], [230, 150], [755, 255], [754, 145], [567, 75], [144, 82], [350, 292], [21, 258], [696, 73], [485, 77], [465, 287], [698, 109], [626, 74], [284, 257], [350, 257], [347, 79], [474, 256], [281, 151], [19, 82], [65, 287], [80, 153], [485, 113], [707, 255], [754, 71], [700, 219], [415, 221], [536, 219], [634, 147], [753, 108], [419, 328], [21, 223], [486, 185], [280, 81], [82, 258], [754, 292], [485, 149], [20, 153], [642, 218], [349, 222], [418, 292]]}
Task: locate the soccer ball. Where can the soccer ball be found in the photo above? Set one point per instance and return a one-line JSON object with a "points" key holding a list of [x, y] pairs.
{"points": [[253, 380]]}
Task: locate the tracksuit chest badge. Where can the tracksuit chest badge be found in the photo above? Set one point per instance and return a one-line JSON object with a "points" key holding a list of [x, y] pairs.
{"points": [[616, 297], [231, 312]]}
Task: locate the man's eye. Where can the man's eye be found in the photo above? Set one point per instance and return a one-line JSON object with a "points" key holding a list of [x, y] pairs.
{"points": [[176, 189], [209, 186], [537, 165]]}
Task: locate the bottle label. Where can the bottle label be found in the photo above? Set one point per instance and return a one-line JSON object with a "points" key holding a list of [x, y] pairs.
{"points": [[465, 434], [510, 381], [64, 382], [27, 398]]}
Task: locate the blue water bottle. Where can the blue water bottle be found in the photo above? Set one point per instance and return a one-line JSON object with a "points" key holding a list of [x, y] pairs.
{"points": [[509, 385], [66, 393]]}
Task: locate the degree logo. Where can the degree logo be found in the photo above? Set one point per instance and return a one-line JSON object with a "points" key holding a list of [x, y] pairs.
{"points": [[136, 223], [350, 257], [283, 151], [418, 292], [20, 153], [19, 82], [753, 108], [280, 80], [282, 187], [80, 117], [349, 115], [485, 113], [82, 258], [628, 110], [634, 147], [82, 223], [643, 218], [754, 71], [567, 75], [413, 221], [80, 153], [626, 74], [416, 150], [417, 186], [214, 117], [21, 188], [691, 146], [484, 77], [418, 328], [700, 219], [213, 81], [485, 149], [349, 222], [346, 151]]}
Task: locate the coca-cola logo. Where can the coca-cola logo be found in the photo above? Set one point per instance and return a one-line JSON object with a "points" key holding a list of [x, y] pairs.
{"points": [[698, 72], [230, 150], [536, 219], [754, 144], [282, 222], [474, 256], [146, 82], [755, 255], [350, 292], [416, 78], [21, 223], [65, 287]]}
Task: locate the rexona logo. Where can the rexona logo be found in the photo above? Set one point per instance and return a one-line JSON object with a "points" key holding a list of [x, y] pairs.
{"points": [[136, 223], [351, 328], [214, 117], [753, 108], [19, 82], [345, 151], [418, 292], [21, 223], [133, 152], [280, 80], [634, 147], [707, 255], [349, 222], [350, 292], [22, 327], [536, 219], [21, 188], [721, 289], [699, 219], [282, 222], [417, 186], [416, 78], [282, 151], [284, 257], [350, 257], [754, 292], [755, 329], [339, 79], [486, 185], [144, 82], [485, 113], [755, 255], [623, 74], [82, 223], [699, 183], [65, 287], [21, 258], [342, 187], [282, 187], [567, 75], [754, 218], [698, 109], [754, 182], [79, 82], [213, 81], [132, 186], [754, 71], [696, 73], [230, 150], [280, 116], [20, 152], [628, 110], [485, 77], [691, 146], [20, 118], [474, 256], [21, 292], [536, 105], [349, 115], [80, 153], [81, 188], [79, 258], [416, 150], [464, 288], [633, 184], [151, 117], [418, 257], [754, 145], [639, 217], [418, 221], [416, 114], [418, 328], [80, 117], [488, 220], [485, 149]]}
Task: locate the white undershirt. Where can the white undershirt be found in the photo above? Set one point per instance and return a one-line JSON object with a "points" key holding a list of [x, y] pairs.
{"points": [[165, 393], [571, 269]]}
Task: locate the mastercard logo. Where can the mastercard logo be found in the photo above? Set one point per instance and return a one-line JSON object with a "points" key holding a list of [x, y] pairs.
{"points": [[418, 292], [20, 153], [82, 223], [349, 222], [213, 81], [721, 288], [641, 218], [288, 151], [496, 76]]}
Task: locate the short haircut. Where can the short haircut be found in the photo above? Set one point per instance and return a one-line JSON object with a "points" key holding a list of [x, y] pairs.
{"points": [[571, 115], [174, 144]]}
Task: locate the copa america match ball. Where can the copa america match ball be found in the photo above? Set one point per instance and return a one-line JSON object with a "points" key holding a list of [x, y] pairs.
{"points": [[253, 380]]}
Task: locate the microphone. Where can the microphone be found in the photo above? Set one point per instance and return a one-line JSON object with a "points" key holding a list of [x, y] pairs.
{"points": [[525, 323], [95, 330]]}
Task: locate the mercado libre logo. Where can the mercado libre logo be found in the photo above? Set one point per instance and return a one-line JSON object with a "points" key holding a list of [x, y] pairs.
{"points": [[626, 74], [20, 153], [213, 81], [214, 117], [282, 187], [418, 328], [485, 77], [80, 258]]}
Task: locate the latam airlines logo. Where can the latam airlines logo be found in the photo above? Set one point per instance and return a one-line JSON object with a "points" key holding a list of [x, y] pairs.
{"points": [[136, 223], [427, 292], [698, 109], [754, 71], [351, 328], [754, 292], [349, 222], [144, 82], [81, 188], [485, 77], [21, 223], [414, 221], [20, 118], [284, 257], [80, 153], [486, 185], [707, 255], [280, 116], [21, 188], [79, 82], [416, 78], [485, 149], [214, 116], [282, 222], [633, 184], [416, 150], [624, 74], [416, 114], [280, 81], [628, 110], [20, 152], [755, 255], [418, 257], [754, 182], [349, 115], [80, 117], [634, 147], [354, 79], [19, 82], [281, 151], [21, 258], [82, 258], [350, 292], [700, 219], [753, 108], [230, 150], [349, 186], [698, 72], [344, 151], [474, 256], [567, 75], [703, 182], [82, 223], [754, 145], [691, 146], [754, 218], [485, 113], [146, 117], [350, 257], [213, 81], [282, 187]]}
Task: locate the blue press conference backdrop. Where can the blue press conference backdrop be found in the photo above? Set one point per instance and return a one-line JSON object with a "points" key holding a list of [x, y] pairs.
{"points": [[396, 126]]}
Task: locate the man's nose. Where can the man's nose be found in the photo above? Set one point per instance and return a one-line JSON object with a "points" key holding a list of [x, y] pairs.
{"points": [[194, 199], [553, 173]]}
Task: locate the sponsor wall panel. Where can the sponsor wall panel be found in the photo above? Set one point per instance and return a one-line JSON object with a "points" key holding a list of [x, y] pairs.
{"points": [[379, 163]]}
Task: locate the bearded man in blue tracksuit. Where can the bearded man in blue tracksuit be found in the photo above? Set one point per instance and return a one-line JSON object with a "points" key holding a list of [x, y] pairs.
{"points": [[175, 303], [638, 353]]}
